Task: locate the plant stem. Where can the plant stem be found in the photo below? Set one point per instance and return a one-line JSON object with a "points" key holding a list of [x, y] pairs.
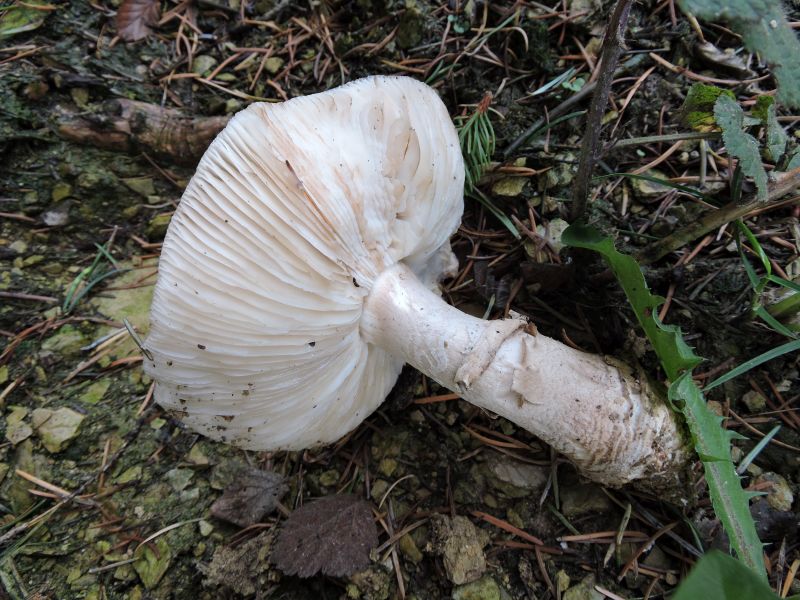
{"points": [[668, 137], [612, 49]]}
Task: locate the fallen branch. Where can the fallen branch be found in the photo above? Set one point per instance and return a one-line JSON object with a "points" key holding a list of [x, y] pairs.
{"points": [[777, 189], [132, 126]]}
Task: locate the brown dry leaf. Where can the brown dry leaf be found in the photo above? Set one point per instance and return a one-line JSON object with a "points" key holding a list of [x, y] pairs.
{"points": [[135, 17], [332, 536], [252, 495]]}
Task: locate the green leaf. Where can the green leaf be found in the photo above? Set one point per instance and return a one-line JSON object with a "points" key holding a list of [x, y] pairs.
{"points": [[765, 30], [499, 215], [764, 110], [727, 496], [665, 182], [22, 16], [717, 576], [742, 145], [697, 111], [711, 441], [754, 362], [794, 161], [673, 352]]}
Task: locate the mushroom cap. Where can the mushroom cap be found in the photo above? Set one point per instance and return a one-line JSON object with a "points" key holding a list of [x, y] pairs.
{"points": [[293, 212]]}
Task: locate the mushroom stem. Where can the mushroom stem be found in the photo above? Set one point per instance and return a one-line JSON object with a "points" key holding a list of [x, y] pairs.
{"points": [[594, 411]]}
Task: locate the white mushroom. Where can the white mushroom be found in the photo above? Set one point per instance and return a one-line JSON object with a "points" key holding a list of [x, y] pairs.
{"points": [[300, 273]]}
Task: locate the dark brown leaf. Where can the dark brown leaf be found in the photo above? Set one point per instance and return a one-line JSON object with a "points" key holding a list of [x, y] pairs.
{"points": [[135, 17], [332, 536], [252, 495]]}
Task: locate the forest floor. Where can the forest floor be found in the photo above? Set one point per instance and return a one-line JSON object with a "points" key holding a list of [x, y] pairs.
{"points": [[105, 495]]}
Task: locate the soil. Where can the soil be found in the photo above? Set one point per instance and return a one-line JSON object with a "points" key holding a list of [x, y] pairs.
{"points": [[104, 495]]}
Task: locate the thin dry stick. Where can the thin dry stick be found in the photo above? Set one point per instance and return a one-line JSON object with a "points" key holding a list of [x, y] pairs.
{"points": [[612, 49]]}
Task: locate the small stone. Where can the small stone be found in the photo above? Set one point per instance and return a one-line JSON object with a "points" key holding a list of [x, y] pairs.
{"points": [[80, 96], [67, 341], [179, 479], [417, 417], [409, 549], [151, 566], [509, 186], [379, 488], [553, 232], [373, 583], [232, 105], [649, 189], [754, 401], [56, 428], [485, 588], [61, 191], [32, 260], [273, 64], [16, 429], [19, 247], [129, 474], [515, 478], [329, 478], [141, 185], [461, 545], [562, 580], [583, 591], [3, 374], [95, 392], [205, 527], [582, 499], [58, 216], [197, 457], [387, 466], [157, 227], [779, 494], [203, 64]]}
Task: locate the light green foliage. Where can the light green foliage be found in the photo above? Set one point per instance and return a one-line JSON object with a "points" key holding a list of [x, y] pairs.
{"points": [[18, 17], [731, 118], [477, 139], [698, 107], [765, 30], [711, 441], [760, 283], [721, 577], [90, 277]]}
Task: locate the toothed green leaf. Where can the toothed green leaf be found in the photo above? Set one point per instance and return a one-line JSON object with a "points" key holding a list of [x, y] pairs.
{"points": [[720, 577], [710, 440], [730, 117]]}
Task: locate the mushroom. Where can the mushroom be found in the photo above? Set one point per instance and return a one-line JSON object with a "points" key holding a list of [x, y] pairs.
{"points": [[300, 272]]}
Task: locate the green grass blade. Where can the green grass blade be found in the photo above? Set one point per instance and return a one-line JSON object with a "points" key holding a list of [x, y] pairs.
{"points": [[754, 362], [762, 256], [554, 82], [665, 182], [763, 314], [784, 282], [490, 206], [762, 443]]}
